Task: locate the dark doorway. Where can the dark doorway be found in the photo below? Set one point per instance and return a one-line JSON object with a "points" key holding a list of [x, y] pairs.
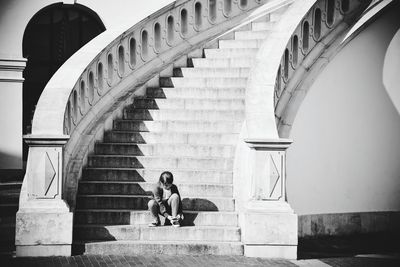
{"points": [[51, 37]]}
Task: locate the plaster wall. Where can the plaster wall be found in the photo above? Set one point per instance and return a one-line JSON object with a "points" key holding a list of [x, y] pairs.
{"points": [[10, 125], [346, 150]]}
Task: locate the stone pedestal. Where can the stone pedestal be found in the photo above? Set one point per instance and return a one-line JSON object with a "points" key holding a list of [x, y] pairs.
{"points": [[44, 221], [269, 224]]}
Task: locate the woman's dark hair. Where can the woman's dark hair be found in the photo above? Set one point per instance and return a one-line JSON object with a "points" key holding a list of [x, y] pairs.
{"points": [[166, 177]]}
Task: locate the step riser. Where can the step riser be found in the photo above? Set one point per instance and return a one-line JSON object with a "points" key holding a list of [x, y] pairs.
{"points": [[262, 26], [230, 52], [156, 234], [244, 62], [176, 126], [165, 150], [166, 249], [171, 138], [212, 72], [146, 189], [160, 162], [182, 115], [189, 104], [251, 35], [203, 82], [195, 92], [153, 175], [140, 203], [240, 43], [140, 218]]}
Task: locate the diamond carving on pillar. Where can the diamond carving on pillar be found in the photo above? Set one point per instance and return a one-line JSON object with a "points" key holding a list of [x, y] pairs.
{"points": [[50, 173], [274, 178]]}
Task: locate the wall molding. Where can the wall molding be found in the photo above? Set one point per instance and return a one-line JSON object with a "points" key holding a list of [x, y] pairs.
{"points": [[344, 224], [11, 70]]}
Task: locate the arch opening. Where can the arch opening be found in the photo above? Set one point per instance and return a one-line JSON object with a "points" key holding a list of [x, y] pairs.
{"points": [[52, 36], [110, 68], [212, 9], [144, 45], [227, 7], [197, 15], [306, 33], [121, 60], [170, 29], [184, 22], [157, 37], [317, 24], [132, 51]]}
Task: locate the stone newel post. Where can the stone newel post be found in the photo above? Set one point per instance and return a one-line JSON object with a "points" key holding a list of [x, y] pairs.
{"points": [[44, 221], [269, 223]]}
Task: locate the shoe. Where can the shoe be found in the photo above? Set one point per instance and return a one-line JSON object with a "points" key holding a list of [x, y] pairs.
{"points": [[154, 224], [175, 223]]}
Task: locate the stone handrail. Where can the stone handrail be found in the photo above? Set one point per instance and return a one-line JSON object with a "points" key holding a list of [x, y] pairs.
{"points": [[291, 49]]}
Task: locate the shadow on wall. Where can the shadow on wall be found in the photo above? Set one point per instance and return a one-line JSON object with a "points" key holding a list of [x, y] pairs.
{"points": [[10, 161]]}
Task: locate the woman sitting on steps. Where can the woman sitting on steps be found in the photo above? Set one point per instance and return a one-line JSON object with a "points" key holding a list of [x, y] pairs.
{"points": [[166, 201]]}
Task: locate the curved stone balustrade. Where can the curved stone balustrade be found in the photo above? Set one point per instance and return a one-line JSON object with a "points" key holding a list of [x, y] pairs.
{"points": [[317, 31], [147, 41], [287, 56]]}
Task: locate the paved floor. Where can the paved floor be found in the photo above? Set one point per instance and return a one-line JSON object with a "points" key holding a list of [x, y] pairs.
{"points": [[208, 261]]}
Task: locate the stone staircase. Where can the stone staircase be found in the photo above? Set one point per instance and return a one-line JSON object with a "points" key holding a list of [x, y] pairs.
{"points": [[10, 187], [189, 125]]}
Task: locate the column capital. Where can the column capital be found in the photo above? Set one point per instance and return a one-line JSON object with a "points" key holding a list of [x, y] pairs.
{"points": [[46, 140], [268, 144]]}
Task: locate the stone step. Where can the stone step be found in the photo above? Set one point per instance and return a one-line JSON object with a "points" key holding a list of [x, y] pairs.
{"points": [[250, 43], [133, 202], [212, 72], [162, 233], [143, 188], [184, 115], [162, 247], [201, 82], [189, 103], [263, 26], [164, 150], [171, 138], [230, 52], [196, 92], [126, 161], [239, 62], [251, 35], [206, 126], [152, 175], [129, 217]]}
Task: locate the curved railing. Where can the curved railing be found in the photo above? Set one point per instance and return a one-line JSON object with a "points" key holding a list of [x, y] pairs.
{"points": [[77, 101], [149, 41], [317, 31]]}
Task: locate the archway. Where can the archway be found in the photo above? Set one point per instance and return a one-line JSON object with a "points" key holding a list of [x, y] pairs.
{"points": [[53, 35]]}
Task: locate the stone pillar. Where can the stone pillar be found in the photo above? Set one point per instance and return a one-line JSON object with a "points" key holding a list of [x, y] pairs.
{"points": [[269, 224], [44, 220], [11, 80]]}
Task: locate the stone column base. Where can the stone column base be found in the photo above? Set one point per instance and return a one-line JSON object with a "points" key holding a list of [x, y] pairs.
{"points": [[43, 250], [271, 251], [269, 230], [44, 230]]}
